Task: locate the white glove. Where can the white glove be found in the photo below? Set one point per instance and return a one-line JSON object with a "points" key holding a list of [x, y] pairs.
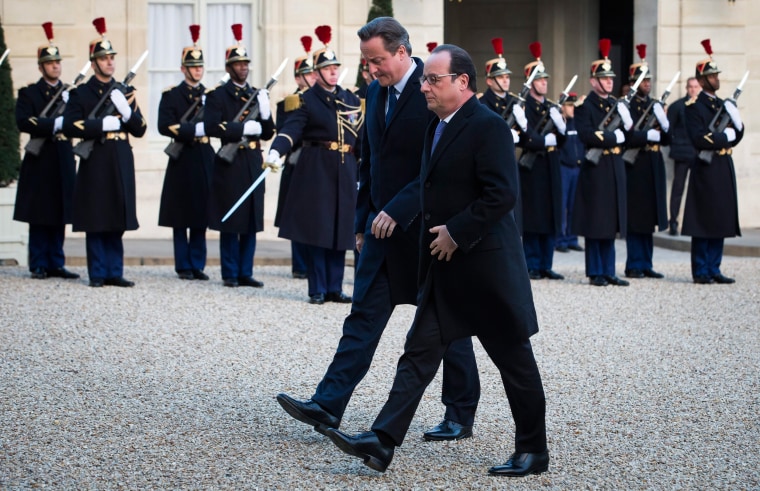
{"points": [[200, 130], [559, 122], [203, 100], [619, 136], [57, 124], [252, 128], [550, 140], [111, 123], [734, 113], [519, 114], [625, 115], [730, 134], [265, 109], [659, 113], [65, 96], [653, 135], [272, 161], [515, 135], [118, 99]]}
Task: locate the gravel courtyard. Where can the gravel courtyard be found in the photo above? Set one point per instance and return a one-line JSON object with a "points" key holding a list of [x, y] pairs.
{"points": [[171, 385]]}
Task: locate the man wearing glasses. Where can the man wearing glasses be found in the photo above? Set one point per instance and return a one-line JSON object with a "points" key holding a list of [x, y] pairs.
{"points": [[473, 272]]}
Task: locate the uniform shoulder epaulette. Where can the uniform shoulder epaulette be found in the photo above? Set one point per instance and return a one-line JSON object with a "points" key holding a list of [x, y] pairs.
{"points": [[167, 89], [513, 94], [292, 102], [479, 95]]}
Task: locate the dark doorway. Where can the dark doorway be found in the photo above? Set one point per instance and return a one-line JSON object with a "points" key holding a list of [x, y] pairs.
{"points": [[616, 23]]}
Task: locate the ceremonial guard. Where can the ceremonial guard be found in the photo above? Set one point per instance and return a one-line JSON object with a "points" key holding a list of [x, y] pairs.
{"points": [[103, 113], [319, 209], [571, 155], [645, 176], [711, 212], [303, 72], [600, 199], [184, 199], [497, 97], [223, 120], [540, 176], [46, 178]]}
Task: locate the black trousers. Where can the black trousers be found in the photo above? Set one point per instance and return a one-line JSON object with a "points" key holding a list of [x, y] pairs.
{"points": [[422, 357]]}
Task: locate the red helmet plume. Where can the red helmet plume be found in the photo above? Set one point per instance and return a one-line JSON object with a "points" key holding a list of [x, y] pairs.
{"points": [[324, 34], [641, 49], [604, 47], [48, 27], [100, 25], [535, 50], [431, 46], [306, 42], [498, 46], [708, 47], [237, 31], [195, 32]]}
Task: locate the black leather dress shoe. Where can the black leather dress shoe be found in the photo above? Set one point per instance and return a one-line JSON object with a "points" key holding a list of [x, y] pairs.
{"points": [[650, 273], [97, 282], [447, 430], [39, 274], [673, 228], [522, 464], [62, 273], [199, 275], [562, 249], [230, 282], [308, 412], [598, 281], [634, 273], [575, 248], [366, 446], [300, 275], [317, 299], [534, 274], [250, 281], [185, 275], [703, 280], [724, 280], [337, 297], [119, 281], [548, 273], [614, 280]]}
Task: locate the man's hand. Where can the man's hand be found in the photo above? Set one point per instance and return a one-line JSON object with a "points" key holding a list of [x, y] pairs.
{"points": [[442, 246], [359, 242], [383, 225], [625, 115], [121, 104], [265, 109]]}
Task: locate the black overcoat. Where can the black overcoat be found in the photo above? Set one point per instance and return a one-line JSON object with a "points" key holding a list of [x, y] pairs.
{"points": [[470, 184], [230, 180], [46, 182], [187, 182], [600, 198], [712, 208], [104, 194]]}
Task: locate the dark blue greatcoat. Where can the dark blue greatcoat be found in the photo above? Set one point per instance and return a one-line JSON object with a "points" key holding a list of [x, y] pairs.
{"points": [[104, 194], [712, 209], [184, 198], [46, 182], [645, 178], [320, 206], [230, 180], [391, 159], [600, 198]]}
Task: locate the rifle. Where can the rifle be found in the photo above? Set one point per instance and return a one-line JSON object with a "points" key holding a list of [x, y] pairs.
{"points": [[105, 107], [613, 120], [546, 125], [721, 119], [648, 119], [174, 149], [507, 114], [229, 150], [54, 108]]}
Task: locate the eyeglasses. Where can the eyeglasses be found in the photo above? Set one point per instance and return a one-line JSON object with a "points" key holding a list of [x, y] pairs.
{"points": [[433, 79]]}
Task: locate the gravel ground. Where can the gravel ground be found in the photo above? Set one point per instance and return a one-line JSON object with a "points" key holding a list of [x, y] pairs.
{"points": [[171, 384]]}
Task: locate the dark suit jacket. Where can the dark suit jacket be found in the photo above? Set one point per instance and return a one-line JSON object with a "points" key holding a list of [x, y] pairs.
{"points": [[470, 184], [388, 181]]}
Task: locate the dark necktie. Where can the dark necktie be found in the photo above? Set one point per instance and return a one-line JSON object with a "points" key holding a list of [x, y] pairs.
{"points": [[437, 136], [391, 103]]}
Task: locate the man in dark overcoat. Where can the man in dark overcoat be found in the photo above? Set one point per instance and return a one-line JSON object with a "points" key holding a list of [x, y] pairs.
{"points": [[711, 212], [472, 270], [237, 238], [104, 194], [319, 208], [541, 182], [645, 177], [184, 198], [387, 238], [46, 180], [600, 198]]}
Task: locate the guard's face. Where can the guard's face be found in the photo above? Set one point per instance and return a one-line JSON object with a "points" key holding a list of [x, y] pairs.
{"points": [[540, 86], [602, 85], [386, 67], [306, 80], [714, 80], [51, 70], [444, 96], [328, 76], [645, 87], [693, 89], [568, 110], [104, 65], [193, 74], [500, 83], [238, 71]]}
